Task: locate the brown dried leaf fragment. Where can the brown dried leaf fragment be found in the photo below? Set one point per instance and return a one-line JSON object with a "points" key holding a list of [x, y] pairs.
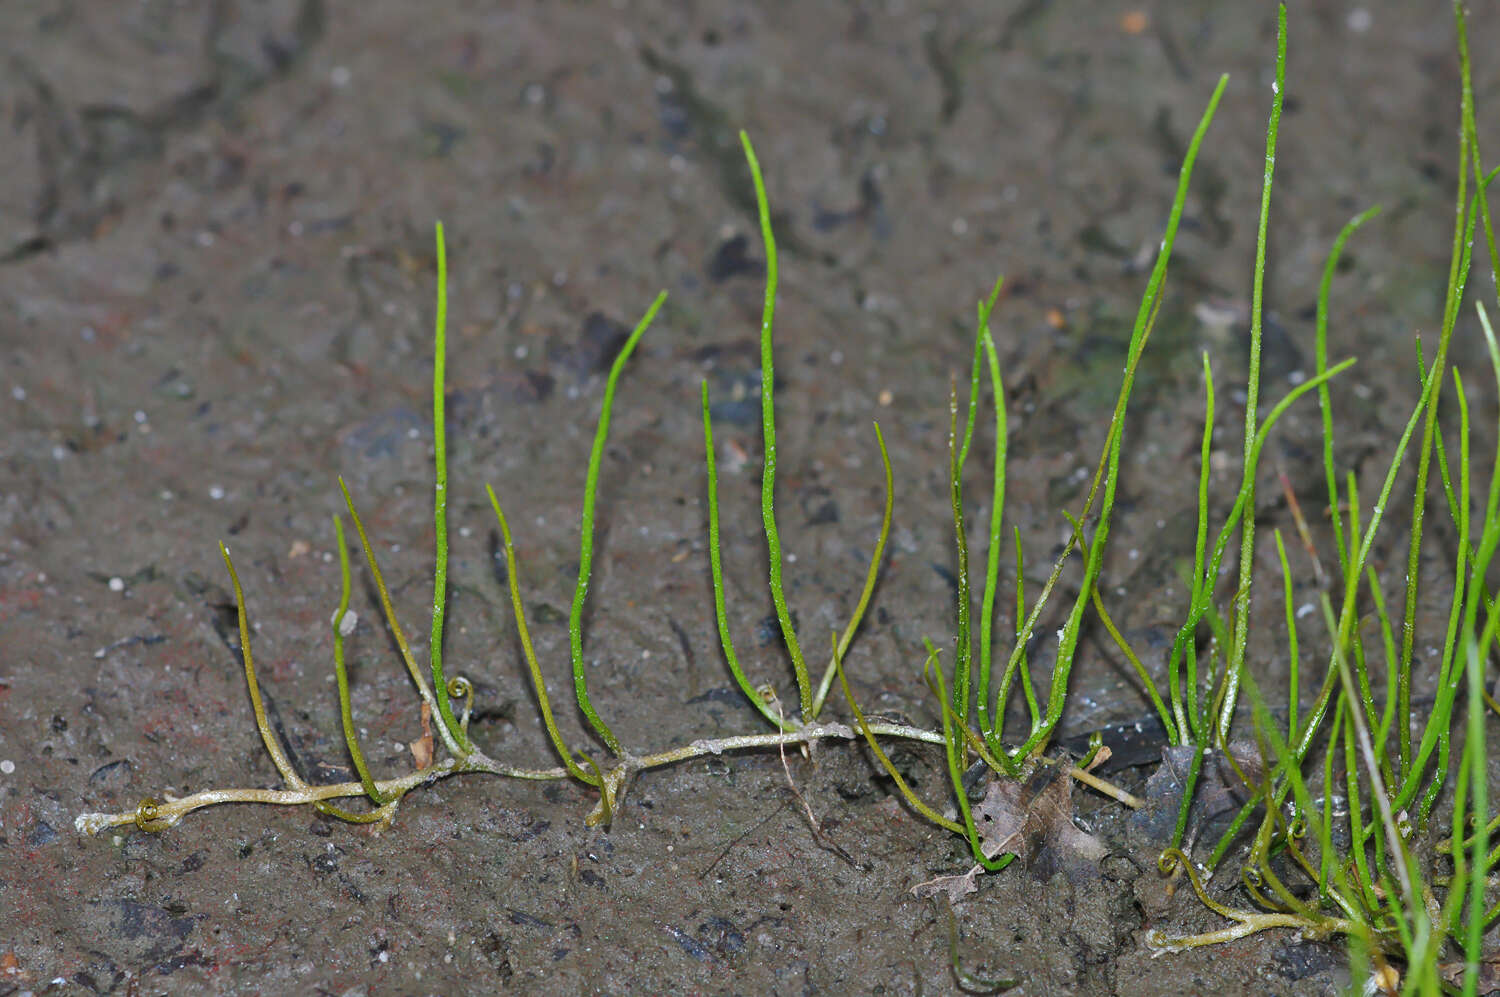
{"points": [[1489, 972], [421, 748], [1033, 820], [955, 888]]}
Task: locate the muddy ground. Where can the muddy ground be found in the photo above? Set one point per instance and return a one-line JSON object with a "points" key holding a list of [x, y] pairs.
{"points": [[216, 283]]}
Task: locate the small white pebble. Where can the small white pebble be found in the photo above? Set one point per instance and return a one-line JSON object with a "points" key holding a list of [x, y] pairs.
{"points": [[117, 584], [7, 766], [339, 76], [347, 622], [18, 393], [1359, 20], [216, 492]]}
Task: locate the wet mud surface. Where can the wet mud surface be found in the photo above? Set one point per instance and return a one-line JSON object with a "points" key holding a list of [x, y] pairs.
{"points": [[216, 279]]}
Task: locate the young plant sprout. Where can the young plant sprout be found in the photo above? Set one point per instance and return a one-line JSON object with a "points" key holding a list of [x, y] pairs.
{"points": [[1350, 871]]}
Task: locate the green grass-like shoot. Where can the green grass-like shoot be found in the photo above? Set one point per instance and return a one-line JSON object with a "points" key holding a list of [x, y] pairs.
{"points": [[586, 528], [257, 706], [768, 432], [1110, 462], [346, 714], [440, 499], [964, 649], [528, 651], [1241, 636], [716, 568], [1320, 352], [957, 752], [872, 574], [863, 726]]}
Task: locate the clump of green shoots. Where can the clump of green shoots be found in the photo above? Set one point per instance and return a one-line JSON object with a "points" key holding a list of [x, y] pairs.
{"points": [[1342, 802], [609, 775], [1312, 864]]}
